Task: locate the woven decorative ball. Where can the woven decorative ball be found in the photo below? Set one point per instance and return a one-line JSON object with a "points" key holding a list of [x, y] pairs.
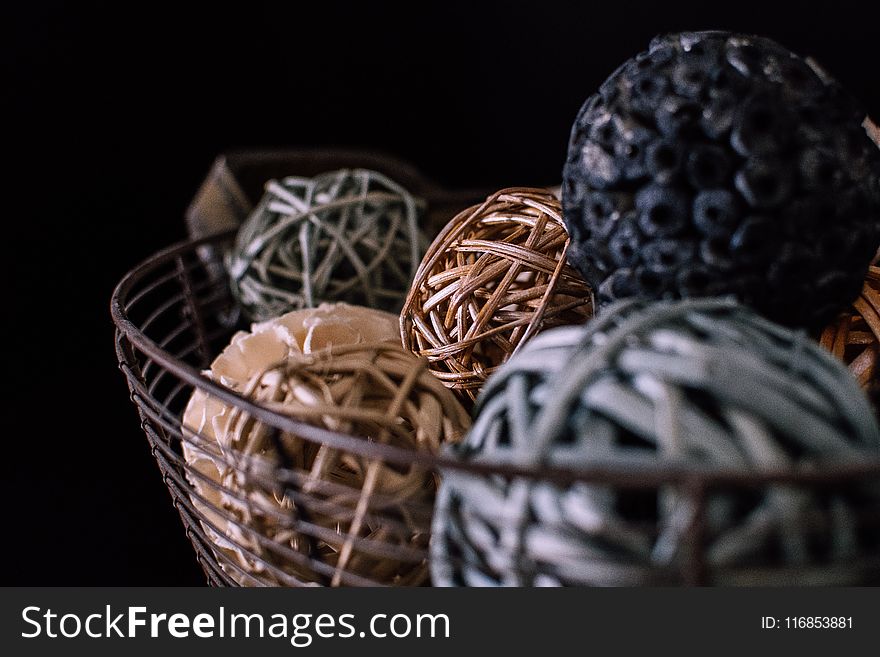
{"points": [[349, 235], [723, 164], [494, 277], [275, 503], [854, 337], [685, 385]]}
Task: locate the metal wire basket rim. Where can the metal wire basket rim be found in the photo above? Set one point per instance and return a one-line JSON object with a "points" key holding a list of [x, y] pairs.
{"points": [[691, 475]]}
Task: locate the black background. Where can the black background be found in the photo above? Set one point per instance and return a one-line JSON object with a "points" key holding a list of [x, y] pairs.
{"points": [[112, 118]]}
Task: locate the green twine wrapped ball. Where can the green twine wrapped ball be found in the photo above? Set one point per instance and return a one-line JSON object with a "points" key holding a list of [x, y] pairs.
{"points": [[348, 235]]}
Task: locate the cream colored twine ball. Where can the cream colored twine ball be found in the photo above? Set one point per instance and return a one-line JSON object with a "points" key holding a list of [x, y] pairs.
{"points": [[283, 510]]}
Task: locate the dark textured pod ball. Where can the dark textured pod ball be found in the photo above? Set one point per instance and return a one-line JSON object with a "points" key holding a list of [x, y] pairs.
{"points": [[716, 163]]}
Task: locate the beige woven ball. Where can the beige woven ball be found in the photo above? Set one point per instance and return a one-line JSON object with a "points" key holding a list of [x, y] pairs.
{"points": [[287, 511], [493, 278]]}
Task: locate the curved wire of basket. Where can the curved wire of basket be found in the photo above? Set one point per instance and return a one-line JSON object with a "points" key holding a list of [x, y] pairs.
{"points": [[173, 314]]}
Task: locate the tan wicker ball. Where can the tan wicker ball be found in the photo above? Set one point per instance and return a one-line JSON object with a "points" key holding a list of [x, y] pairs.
{"points": [[292, 511], [854, 337], [494, 277]]}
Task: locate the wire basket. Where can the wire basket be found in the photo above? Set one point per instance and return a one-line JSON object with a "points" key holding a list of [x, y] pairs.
{"points": [[174, 313]]}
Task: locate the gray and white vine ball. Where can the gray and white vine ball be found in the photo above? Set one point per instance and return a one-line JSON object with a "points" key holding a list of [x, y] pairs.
{"points": [[684, 385], [346, 236]]}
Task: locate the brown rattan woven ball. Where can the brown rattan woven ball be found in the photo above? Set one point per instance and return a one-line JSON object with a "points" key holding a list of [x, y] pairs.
{"points": [[494, 277], [854, 337], [287, 510]]}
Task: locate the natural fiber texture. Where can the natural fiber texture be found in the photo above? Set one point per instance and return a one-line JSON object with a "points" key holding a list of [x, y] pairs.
{"points": [[681, 384], [493, 278], [854, 337], [315, 366], [343, 236]]}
